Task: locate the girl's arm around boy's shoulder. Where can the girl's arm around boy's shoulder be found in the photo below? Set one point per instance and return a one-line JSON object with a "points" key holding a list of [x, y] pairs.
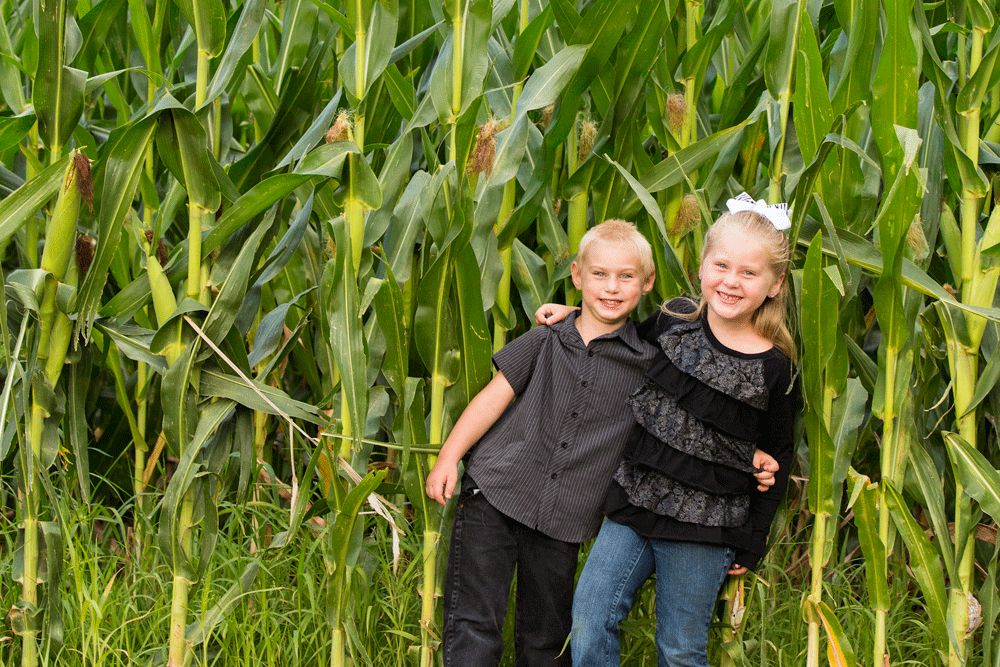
{"points": [[477, 418]]}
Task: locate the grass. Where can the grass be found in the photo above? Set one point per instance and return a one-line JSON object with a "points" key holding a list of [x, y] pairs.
{"points": [[115, 609]]}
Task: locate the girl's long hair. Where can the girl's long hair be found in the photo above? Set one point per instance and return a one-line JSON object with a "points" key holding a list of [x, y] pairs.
{"points": [[769, 320]]}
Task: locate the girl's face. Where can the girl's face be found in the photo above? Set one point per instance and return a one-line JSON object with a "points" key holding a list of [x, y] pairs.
{"points": [[736, 277]]}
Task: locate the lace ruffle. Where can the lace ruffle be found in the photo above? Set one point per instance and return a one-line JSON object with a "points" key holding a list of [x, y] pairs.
{"points": [[662, 495], [723, 412], [688, 348], [657, 412]]}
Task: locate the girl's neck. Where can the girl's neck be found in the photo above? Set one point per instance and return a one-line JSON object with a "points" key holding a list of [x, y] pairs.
{"points": [[737, 335]]}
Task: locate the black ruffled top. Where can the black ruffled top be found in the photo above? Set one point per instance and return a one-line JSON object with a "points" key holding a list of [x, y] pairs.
{"points": [[703, 410]]}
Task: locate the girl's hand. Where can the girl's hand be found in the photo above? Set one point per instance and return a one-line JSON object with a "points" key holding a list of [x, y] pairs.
{"points": [[767, 466], [550, 313]]}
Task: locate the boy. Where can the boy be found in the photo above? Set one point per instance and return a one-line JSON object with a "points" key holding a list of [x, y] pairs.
{"points": [[534, 488]]}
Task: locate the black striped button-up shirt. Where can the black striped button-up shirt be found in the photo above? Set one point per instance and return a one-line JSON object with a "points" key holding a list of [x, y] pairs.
{"points": [[547, 461]]}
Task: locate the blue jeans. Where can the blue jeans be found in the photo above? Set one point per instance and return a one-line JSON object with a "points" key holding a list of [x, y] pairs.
{"points": [[688, 578], [486, 546]]}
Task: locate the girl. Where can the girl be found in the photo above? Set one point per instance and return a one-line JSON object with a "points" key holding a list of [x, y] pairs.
{"points": [[683, 503]]}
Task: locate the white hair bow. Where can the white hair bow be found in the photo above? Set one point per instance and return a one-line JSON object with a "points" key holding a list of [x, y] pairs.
{"points": [[776, 213]]}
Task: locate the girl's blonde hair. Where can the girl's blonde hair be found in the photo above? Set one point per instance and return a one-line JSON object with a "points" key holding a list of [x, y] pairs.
{"points": [[769, 319], [625, 234]]}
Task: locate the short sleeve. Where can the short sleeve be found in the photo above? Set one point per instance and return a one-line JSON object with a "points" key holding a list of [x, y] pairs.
{"points": [[516, 360]]}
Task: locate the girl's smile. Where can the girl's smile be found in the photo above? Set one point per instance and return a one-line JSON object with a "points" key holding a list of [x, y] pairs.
{"points": [[736, 279]]}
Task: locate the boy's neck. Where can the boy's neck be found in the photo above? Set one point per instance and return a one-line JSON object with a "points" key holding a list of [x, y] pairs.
{"points": [[590, 328]]}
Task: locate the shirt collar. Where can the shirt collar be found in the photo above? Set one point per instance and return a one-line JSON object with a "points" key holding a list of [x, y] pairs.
{"points": [[566, 330]]}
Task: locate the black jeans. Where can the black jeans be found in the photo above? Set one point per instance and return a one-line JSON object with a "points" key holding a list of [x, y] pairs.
{"points": [[486, 545]]}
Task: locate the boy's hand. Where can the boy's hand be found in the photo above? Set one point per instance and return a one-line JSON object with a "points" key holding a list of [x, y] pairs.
{"points": [[767, 466], [736, 570], [441, 481], [550, 313]]}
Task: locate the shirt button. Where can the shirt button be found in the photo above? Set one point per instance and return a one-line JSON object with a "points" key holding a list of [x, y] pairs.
{"points": [[590, 353], [564, 445], [584, 383], [554, 475], [574, 415]]}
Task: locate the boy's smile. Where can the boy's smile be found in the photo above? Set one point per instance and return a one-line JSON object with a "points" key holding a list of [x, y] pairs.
{"points": [[610, 279]]}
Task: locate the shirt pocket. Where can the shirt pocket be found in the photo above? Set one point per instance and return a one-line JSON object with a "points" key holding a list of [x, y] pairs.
{"points": [[610, 402]]}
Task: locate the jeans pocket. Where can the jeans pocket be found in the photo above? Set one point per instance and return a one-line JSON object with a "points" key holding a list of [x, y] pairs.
{"points": [[469, 489]]}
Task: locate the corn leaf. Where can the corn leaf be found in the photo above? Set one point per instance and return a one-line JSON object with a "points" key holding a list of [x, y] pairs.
{"points": [[409, 215], [24, 202], [600, 28], [346, 338], [378, 42], [58, 89], [812, 109], [925, 564], [476, 344], [979, 478], [208, 18], [894, 88], [866, 520], [931, 485], [125, 153], [248, 27]]}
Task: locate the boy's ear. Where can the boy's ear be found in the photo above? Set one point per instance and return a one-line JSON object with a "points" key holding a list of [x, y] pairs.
{"points": [[574, 271], [648, 285]]}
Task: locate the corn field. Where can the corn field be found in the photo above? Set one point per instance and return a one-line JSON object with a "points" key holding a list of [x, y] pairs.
{"points": [[256, 256]]}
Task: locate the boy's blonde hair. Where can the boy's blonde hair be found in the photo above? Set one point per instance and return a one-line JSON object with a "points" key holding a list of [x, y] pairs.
{"points": [[625, 234], [769, 319]]}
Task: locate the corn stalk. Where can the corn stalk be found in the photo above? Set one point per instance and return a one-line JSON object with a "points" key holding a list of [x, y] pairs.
{"points": [[55, 331]]}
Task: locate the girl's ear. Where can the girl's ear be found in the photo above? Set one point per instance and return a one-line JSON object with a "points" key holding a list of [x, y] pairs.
{"points": [[776, 287]]}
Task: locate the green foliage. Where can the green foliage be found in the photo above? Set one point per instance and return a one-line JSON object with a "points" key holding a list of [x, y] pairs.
{"points": [[307, 220]]}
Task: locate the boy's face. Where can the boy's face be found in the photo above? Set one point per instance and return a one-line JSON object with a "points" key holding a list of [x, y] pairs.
{"points": [[611, 281]]}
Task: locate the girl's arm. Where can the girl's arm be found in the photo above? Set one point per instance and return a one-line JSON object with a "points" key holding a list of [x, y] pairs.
{"points": [[767, 466], [765, 480], [778, 437], [550, 313]]}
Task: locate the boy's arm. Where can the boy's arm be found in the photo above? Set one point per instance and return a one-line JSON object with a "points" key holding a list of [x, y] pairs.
{"points": [[477, 418]]}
